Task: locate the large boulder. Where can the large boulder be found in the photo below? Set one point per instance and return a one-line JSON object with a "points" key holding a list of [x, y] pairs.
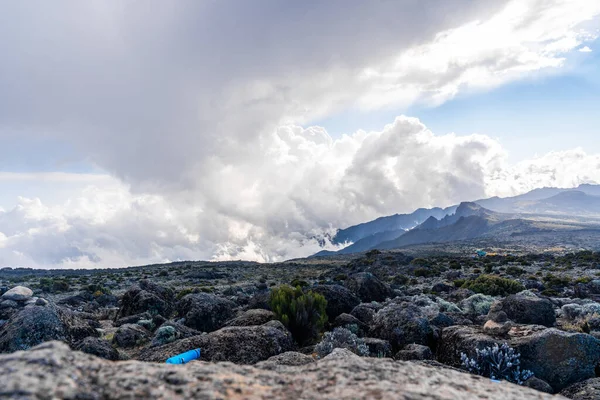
{"points": [[18, 293], [401, 324], [98, 347], [252, 317], [131, 335], [586, 390], [53, 371], [339, 299], [365, 312], [560, 358], [458, 339], [205, 312], [33, 325], [147, 297], [238, 344], [368, 287], [528, 310]]}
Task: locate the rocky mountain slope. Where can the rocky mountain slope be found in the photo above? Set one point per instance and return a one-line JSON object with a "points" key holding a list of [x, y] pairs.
{"points": [[53, 371], [445, 225]]}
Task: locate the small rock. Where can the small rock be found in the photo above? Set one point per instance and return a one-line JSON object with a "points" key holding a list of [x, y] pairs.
{"points": [[414, 352], [130, 335], [538, 384], [41, 302], [18, 293], [98, 347], [378, 347], [497, 328]]}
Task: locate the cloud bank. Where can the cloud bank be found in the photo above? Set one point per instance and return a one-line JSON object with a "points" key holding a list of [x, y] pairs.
{"points": [[199, 113]]}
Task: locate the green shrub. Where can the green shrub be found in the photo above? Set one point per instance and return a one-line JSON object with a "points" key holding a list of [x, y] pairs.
{"points": [[493, 285], [184, 292], [340, 277], [553, 281], [400, 280], [515, 271], [302, 313], [459, 282], [299, 282], [164, 272]]}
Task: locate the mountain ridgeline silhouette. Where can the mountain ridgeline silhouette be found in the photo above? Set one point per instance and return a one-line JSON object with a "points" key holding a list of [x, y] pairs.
{"points": [[544, 209]]}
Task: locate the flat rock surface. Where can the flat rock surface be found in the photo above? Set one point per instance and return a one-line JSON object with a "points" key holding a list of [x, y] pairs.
{"points": [[53, 371]]}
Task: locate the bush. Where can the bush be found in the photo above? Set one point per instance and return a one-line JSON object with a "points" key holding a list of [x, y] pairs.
{"points": [[184, 292], [344, 339], [515, 271], [302, 313], [164, 272], [494, 285], [497, 362], [299, 282], [478, 304], [553, 281]]}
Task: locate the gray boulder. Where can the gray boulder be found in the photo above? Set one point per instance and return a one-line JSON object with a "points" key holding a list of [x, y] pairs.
{"points": [[339, 299], [401, 324], [205, 312], [252, 317], [414, 352], [528, 310], [586, 390], [33, 325], [238, 344], [147, 297], [458, 339], [368, 287], [365, 312], [131, 335], [560, 358], [98, 347], [18, 293]]}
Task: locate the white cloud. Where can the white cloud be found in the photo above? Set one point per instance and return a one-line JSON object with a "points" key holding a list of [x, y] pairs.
{"points": [[585, 49], [284, 203], [193, 109]]}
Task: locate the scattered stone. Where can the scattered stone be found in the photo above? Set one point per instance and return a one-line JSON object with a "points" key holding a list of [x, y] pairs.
{"points": [[497, 328], [41, 302], [414, 352], [378, 347]]}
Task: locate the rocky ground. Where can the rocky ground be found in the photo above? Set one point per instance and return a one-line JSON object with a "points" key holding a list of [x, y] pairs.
{"points": [[408, 324]]}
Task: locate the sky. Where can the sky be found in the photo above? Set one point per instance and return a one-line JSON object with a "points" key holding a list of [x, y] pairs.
{"points": [[144, 132]]}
